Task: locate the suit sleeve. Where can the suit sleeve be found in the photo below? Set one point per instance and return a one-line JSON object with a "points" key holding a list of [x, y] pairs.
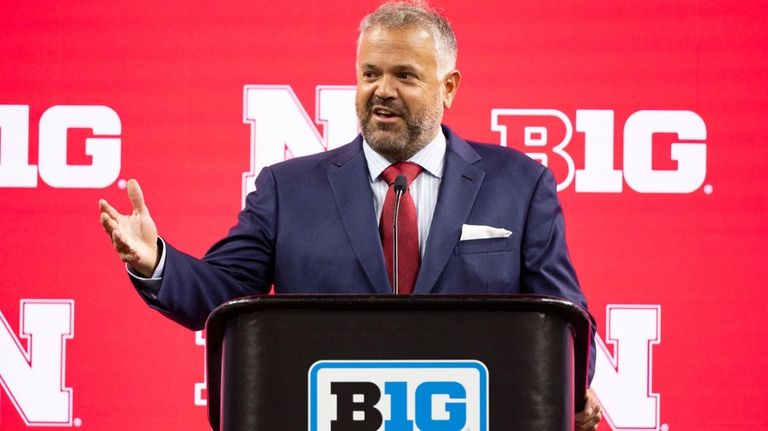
{"points": [[239, 265], [547, 267]]}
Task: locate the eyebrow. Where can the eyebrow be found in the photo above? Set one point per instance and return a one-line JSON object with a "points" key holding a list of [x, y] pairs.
{"points": [[398, 67]]}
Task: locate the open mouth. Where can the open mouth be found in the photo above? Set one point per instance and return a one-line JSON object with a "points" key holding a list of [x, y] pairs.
{"points": [[382, 113]]}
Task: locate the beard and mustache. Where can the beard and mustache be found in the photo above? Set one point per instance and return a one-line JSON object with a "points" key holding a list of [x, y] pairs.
{"points": [[395, 140]]}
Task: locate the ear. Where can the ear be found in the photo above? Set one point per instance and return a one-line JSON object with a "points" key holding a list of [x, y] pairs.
{"points": [[450, 86]]}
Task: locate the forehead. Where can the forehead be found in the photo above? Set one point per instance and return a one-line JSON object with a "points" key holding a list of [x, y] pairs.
{"points": [[411, 45]]}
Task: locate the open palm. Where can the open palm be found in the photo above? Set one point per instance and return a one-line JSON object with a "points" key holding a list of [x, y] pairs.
{"points": [[133, 236]]}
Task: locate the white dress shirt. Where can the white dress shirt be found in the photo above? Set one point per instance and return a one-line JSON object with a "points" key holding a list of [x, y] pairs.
{"points": [[424, 188]]}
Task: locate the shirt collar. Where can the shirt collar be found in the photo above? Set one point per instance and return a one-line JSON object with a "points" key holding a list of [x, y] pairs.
{"points": [[431, 158]]}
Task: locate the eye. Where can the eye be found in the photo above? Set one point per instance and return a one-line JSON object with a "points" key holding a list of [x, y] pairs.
{"points": [[406, 76], [369, 74]]}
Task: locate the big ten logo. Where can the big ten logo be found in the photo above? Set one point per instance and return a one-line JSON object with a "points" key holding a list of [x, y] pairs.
{"points": [[398, 396], [662, 151], [58, 165], [33, 377]]}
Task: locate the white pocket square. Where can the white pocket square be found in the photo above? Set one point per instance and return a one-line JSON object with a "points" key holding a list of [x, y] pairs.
{"points": [[475, 231]]}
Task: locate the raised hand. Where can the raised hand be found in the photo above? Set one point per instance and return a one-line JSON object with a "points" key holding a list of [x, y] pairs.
{"points": [[134, 236]]}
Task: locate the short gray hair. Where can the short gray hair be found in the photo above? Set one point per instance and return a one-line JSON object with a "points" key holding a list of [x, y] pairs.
{"points": [[399, 14]]}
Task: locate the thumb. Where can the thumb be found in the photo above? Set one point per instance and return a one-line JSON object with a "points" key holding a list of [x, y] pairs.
{"points": [[136, 196]]}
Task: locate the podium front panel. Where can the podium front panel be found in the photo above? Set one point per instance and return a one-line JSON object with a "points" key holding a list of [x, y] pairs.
{"points": [[268, 346]]}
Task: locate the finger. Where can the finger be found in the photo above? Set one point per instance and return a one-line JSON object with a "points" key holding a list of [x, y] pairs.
{"points": [[591, 424], [121, 245], [136, 196], [588, 421], [107, 208], [588, 415], [584, 414], [108, 223]]}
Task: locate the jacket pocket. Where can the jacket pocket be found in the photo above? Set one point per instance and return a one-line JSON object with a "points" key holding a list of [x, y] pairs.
{"points": [[487, 245]]}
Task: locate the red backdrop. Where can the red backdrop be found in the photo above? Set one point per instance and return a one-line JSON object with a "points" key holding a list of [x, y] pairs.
{"points": [[671, 252]]}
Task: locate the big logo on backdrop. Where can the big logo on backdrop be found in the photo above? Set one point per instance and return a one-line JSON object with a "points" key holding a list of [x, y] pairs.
{"points": [[55, 123]]}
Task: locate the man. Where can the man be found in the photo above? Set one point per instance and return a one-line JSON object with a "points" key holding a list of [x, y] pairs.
{"points": [[475, 218]]}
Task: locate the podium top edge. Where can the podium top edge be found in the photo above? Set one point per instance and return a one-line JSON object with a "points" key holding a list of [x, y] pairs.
{"points": [[518, 302]]}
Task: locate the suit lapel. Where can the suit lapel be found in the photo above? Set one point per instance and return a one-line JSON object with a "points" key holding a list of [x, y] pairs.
{"points": [[348, 177], [458, 190]]}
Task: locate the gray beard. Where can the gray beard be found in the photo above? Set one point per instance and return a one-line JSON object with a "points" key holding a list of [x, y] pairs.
{"points": [[419, 130]]}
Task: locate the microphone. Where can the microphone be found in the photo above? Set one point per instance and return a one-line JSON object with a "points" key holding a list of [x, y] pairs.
{"points": [[401, 184]]}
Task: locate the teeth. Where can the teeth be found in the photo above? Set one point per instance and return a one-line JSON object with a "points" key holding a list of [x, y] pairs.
{"points": [[384, 113]]}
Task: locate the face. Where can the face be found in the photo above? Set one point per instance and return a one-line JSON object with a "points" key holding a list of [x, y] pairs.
{"points": [[400, 98]]}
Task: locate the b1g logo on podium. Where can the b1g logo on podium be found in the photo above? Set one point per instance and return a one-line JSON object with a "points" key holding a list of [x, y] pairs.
{"points": [[398, 396]]}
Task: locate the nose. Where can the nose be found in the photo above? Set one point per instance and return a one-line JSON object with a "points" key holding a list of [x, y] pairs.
{"points": [[386, 88]]}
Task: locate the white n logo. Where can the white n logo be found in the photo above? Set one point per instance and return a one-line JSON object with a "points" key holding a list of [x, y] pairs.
{"points": [[281, 128], [34, 379], [623, 380]]}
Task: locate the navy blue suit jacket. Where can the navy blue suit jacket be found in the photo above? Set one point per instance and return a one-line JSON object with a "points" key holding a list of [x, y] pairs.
{"points": [[310, 227]]}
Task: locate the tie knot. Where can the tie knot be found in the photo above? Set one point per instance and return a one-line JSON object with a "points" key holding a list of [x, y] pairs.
{"points": [[409, 170]]}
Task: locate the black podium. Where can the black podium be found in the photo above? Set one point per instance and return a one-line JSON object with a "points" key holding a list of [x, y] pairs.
{"points": [[347, 363]]}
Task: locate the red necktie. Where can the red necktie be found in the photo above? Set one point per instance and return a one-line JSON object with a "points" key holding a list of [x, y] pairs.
{"points": [[408, 228]]}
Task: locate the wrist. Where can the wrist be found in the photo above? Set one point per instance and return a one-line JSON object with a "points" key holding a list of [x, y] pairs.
{"points": [[145, 267]]}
